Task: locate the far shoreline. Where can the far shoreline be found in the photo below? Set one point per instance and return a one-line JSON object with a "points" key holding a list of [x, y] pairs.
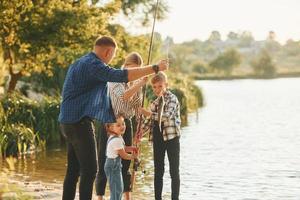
{"points": [[246, 76]]}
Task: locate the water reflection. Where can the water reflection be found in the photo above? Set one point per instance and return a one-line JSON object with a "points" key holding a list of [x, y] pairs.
{"points": [[246, 143]]}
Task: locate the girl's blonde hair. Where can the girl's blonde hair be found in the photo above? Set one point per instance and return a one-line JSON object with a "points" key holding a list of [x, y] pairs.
{"points": [[133, 58]]}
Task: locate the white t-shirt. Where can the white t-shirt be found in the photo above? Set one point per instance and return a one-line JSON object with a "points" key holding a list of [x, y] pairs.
{"points": [[113, 146]]}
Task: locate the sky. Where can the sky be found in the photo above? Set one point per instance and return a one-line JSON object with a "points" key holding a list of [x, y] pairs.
{"points": [[196, 19]]}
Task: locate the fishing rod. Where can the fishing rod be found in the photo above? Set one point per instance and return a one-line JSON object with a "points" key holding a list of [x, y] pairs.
{"points": [[139, 133]]}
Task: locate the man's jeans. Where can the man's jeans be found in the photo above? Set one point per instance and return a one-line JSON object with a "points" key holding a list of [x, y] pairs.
{"points": [[82, 159], [113, 171], [159, 149]]}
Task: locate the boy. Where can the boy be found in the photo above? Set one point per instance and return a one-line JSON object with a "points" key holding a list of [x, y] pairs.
{"points": [[165, 132]]}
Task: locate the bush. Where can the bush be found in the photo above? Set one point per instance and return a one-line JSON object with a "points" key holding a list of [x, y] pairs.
{"points": [[27, 124], [17, 139], [263, 65], [226, 61], [200, 67], [42, 116]]}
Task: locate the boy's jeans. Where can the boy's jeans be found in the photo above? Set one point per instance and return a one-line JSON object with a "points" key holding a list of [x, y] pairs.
{"points": [[159, 149], [113, 171]]}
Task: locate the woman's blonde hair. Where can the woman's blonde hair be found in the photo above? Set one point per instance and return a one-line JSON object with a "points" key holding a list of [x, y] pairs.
{"points": [[133, 58]]}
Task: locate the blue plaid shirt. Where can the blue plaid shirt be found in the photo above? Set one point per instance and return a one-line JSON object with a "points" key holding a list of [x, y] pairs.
{"points": [[85, 90]]}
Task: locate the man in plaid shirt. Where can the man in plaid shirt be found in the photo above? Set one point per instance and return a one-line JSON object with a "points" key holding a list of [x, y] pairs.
{"points": [[164, 118]]}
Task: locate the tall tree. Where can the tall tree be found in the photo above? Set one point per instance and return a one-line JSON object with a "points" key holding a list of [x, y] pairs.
{"points": [[36, 35], [263, 65], [215, 36], [227, 61], [271, 45], [246, 39], [292, 48], [232, 36], [145, 9]]}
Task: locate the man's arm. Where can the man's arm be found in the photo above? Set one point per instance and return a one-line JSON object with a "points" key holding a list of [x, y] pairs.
{"points": [[103, 73], [138, 72]]}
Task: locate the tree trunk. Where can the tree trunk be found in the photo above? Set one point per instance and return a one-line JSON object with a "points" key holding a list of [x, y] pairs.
{"points": [[14, 77], [13, 81]]}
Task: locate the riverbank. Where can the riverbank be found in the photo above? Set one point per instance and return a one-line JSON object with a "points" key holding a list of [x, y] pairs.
{"points": [[41, 176], [28, 190], [245, 76]]}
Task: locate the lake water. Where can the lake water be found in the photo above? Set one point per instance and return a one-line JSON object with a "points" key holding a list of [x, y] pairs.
{"points": [[243, 145]]}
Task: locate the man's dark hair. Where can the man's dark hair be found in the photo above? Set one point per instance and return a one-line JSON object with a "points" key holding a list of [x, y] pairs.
{"points": [[105, 41]]}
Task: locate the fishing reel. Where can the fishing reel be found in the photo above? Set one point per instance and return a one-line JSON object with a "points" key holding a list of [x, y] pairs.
{"points": [[138, 163]]}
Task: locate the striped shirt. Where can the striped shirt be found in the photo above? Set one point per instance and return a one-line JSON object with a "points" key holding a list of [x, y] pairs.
{"points": [[170, 117], [127, 108], [85, 90]]}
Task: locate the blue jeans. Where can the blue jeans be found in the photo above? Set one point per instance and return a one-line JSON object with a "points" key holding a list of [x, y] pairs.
{"points": [[100, 181], [113, 171]]}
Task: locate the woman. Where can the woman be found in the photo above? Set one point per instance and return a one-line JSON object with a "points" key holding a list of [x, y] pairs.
{"points": [[125, 99]]}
